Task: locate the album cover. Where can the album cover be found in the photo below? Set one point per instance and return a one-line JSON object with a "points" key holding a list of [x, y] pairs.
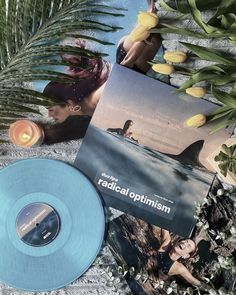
{"points": [[70, 119], [141, 155]]}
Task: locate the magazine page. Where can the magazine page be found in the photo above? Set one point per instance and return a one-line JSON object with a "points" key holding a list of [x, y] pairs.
{"points": [[83, 75], [141, 154], [156, 261]]}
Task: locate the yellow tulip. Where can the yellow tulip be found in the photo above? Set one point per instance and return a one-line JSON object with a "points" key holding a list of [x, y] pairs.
{"points": [[165, 69], [196, 91], [147, 19], [140, 33], [196, 121], [175, 56]]}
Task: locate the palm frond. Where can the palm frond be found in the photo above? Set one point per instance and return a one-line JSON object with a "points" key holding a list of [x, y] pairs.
{"points": [[31, 46]]}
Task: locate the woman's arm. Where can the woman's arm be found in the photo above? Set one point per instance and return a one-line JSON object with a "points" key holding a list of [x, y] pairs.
{"points": [[116, 130], [185, 274]]}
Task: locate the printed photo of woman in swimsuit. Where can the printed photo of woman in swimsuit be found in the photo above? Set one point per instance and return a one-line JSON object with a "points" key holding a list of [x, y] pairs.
{"points": [[162, 257], [136, 55]]}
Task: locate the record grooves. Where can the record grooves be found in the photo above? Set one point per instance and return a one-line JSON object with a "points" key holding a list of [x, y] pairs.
{"points": [[52, 224]]}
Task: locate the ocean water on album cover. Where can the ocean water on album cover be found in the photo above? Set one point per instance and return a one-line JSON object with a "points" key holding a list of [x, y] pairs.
{"points": [[142, 182]]}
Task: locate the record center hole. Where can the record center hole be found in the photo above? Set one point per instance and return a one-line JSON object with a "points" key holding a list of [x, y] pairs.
{"points": [[37, 224]]}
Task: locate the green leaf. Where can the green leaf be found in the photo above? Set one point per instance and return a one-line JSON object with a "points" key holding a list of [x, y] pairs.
{"points": [[209, 54], [25, 96], [215, 75], [183, 7], [165, 6], [196, 14], [18, 108], [221, 115], [224, 168], [184, 70], [4, 115], [228, 20], [30, 36], [222, 125], [221, 110], [227, 150], [232, 115], [206, 74], [168, 29], [224, 97], [4, 128], [221, 80], [221, 157], [4, 141], [90, 38], [223, 8], [233, 91], [208, 5]]}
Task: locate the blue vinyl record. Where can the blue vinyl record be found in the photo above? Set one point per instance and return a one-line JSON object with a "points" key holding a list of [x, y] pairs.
{"points": [[52, 224]]}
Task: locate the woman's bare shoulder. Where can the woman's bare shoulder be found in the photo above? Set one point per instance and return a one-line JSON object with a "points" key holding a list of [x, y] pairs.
{"points": [[178, 269]]}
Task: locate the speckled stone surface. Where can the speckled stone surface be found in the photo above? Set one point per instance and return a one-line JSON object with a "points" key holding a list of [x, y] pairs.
{"points": [[94, 281]]}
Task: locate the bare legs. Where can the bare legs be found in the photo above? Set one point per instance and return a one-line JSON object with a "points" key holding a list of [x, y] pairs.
{"points": [[141, 52]]}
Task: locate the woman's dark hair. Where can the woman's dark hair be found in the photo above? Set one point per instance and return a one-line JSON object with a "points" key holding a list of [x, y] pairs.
{"points": [[73, 127], [77, 91], [127, 125]]}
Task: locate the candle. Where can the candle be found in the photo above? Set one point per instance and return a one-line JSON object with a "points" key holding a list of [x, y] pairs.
{"points": [[25, 133]]}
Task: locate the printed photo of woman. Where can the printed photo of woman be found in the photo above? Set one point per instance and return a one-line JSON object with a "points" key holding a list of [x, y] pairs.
{"points": [[160, 256], [169, 259], [136, 54], [78, 99]]}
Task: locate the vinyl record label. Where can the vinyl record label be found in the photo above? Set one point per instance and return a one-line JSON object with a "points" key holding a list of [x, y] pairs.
{"points": [[37, 224]]}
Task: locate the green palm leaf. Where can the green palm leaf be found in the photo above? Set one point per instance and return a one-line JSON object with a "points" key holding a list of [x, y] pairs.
{"points": [[31, 44]]}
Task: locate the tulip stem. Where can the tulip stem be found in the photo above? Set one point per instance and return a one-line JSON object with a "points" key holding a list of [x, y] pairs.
{"points": [[182, 73]]}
